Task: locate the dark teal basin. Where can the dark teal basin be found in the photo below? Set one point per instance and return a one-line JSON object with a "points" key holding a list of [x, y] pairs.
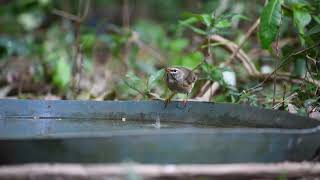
{"points": [[146, 132]]}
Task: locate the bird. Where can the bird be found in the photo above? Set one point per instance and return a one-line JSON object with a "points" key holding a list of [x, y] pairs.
{"points": [[312, 109], [179, 80]]}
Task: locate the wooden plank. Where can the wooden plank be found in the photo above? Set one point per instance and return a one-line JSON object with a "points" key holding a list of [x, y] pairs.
{"points": [[138, 171]]}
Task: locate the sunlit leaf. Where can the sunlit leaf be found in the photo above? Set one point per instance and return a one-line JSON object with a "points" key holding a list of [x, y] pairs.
{"points": [[178, 45], [62, 73], [216, 74], [223, 24], [151, 32], [301, 19], [31, 20], [190, 60], [87, 40], [190, 20], [193, 16], [206, 19]]}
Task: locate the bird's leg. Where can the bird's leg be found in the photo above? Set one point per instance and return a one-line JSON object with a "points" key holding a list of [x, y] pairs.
{"points": [[185, 101], [166, 101]]}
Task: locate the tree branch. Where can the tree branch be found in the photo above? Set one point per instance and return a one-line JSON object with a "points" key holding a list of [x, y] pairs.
{"points": [[241, 55]]}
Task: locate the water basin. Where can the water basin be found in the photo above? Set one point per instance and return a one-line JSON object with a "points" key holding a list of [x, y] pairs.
{"points": [[146, 132]]}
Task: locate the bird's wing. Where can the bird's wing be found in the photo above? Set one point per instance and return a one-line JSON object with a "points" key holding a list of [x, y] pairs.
{"points": [[191, 78]]}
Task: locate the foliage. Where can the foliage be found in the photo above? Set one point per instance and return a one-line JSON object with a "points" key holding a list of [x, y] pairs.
{"points": [[299, 11], [141, 87], [213, 24]]}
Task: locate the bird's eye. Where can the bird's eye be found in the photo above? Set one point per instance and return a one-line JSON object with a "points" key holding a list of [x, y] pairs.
{"points": [[174, 70]]}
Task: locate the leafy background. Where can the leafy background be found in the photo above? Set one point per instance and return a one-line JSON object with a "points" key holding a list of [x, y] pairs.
{"points": [[259, 53]]}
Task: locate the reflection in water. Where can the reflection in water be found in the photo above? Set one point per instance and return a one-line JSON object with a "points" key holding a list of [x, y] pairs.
{"points": [[157, 124]]}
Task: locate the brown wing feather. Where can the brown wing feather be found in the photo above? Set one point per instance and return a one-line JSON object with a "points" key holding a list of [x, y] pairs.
{"points": [[191, 77]]}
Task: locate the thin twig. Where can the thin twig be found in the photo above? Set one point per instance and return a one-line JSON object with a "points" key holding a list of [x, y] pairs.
{"points": [[248, 34], [78, 58], [203, 88], [312, 59], [286, 77], [79, 55], [125, 14], [126, 25], [134, 88], [135, 38], [144, 94], [284, 61], [317, 71], [208, 91], [289, 98], [66, 15], [251, 69], [308, 70], [86, 10]]}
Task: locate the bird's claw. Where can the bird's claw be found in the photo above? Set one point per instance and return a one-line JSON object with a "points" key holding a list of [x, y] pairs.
{"points": [[184, 104], [166, 102]]}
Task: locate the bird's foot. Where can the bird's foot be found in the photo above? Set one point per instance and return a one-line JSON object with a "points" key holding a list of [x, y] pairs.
{"points": [[183, 103], [166, 102]]}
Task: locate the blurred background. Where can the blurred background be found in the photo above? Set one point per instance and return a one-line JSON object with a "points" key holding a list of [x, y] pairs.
{"points": [[115, 50]]}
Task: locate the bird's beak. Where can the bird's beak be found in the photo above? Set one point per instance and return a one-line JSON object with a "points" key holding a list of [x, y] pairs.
{"points": [[167, 70]]}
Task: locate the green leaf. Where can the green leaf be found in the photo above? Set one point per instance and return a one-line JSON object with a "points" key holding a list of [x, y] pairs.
{"points": [[154, 78], [190, 20], [31, 20], [206, 19], [216, 74], [178, 45], [212, 72], [225, 23], [240, 16], [206, 67], [299, 4], [134, 82], [193, 28], [299, 67], [301, 19], [151, 32], [317, 18], [62, 73], [270, 22], [87, 41], [314, 30], [190, 60]]}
